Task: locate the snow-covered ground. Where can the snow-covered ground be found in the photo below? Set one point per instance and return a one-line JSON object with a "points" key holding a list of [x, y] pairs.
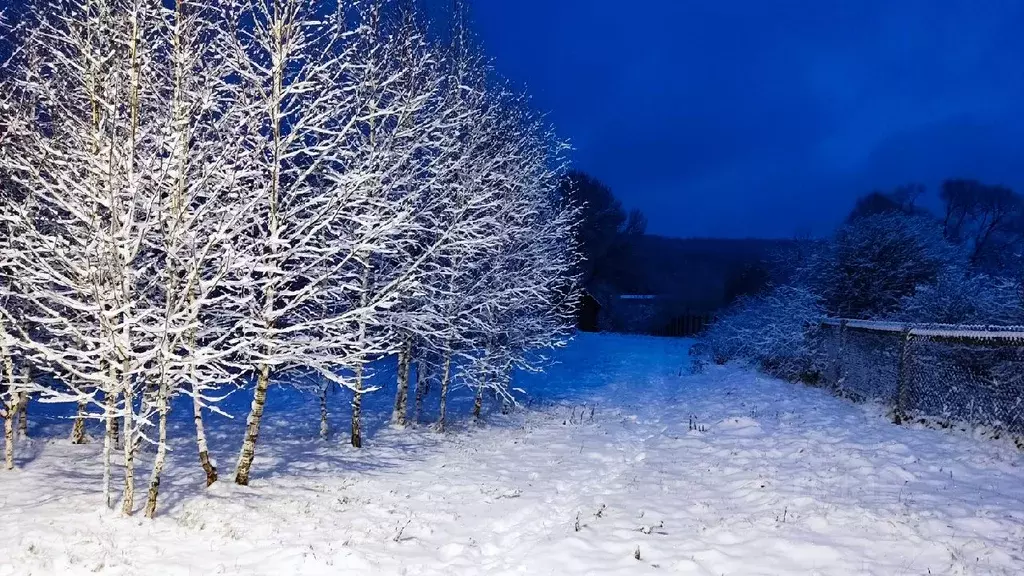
{"points": [[624, 463]]}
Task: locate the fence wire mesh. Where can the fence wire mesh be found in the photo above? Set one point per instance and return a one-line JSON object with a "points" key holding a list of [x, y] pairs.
{"points": [[944, 374]]}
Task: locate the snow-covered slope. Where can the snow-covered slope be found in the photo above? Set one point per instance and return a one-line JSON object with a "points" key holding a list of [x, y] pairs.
{"points": [[624, 464]]}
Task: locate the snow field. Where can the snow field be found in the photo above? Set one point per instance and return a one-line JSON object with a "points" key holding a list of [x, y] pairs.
{"points": [[622, 453]]}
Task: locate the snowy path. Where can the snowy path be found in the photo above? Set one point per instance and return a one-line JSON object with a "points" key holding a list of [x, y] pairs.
{"points": [[776, 479]]}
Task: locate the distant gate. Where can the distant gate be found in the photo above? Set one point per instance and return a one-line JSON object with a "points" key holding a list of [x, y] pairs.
{"points": [[686, 325]]}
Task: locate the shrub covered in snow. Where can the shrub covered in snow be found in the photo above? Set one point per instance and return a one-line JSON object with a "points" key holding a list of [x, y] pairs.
{"points": [[875, 261], [959, 297], [900, 267], [777, 330]]}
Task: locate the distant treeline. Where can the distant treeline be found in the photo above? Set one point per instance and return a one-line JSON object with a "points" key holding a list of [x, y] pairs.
{"points": [[694, 274]]}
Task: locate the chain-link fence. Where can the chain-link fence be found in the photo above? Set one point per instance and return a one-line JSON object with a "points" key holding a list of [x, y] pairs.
{"points": [[943, 374]]}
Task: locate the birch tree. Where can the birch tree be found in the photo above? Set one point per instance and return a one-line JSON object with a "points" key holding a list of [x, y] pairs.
{"points": [[263, 191], [453, 218], [203, 213], [396, 144], [87, 151], [527, 287], [311, 104]]}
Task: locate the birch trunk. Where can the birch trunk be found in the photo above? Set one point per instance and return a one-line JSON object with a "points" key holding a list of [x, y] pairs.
{"points": [[324, 430], [163, 407], [9, 440], [197, 420], [9, 407], [78, 430], [398, 416], [23, 415], [357, 388], [252, 427], [445, 377], [115, 430], [204, 451], [422, 389], [478, 403], [357, 408], [108, 446], [7, 413], [129, 448]]}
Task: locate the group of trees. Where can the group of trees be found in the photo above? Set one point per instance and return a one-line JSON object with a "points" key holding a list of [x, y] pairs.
{"points": [[607, 232], [200, 196], [890, 260], [686, 277]]}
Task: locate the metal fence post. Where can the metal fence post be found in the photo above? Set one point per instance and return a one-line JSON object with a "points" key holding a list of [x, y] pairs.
{"points": [[902, 378]]}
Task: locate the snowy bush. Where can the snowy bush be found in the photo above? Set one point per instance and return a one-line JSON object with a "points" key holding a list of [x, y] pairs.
{"points": [[958, 297], [700, 354], [875, 261], [777, 330], [894, 266]]}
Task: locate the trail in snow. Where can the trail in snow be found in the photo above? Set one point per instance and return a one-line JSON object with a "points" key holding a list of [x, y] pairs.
{"points": [[622, 450]]}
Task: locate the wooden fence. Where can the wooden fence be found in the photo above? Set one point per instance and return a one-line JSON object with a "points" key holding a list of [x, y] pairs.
{"points": [[686, 325]]}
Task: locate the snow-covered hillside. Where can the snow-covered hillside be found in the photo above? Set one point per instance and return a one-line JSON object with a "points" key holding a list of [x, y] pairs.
{"points": [[623, 463]]}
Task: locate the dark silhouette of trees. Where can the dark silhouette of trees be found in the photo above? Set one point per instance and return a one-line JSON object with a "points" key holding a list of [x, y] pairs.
{"points": [[606, 232], [902, 200], [987, 220], [749, 279]]}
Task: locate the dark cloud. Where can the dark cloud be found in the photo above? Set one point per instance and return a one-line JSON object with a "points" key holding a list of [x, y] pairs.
{"points": [[747, 117]]}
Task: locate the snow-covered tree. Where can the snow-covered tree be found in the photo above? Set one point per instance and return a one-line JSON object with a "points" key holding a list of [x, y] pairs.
{"points": [[525, 299], [197, 197], [291, 62], [341, 139], [132, 207], [456, 224], [87, 149], [203, 212], [875, 261]]}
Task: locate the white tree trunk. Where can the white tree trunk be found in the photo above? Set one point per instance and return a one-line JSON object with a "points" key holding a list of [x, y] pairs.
{"points": [[115, 427], [8, 406], [78, 429], [163, 407], [108, 446], [445, 377], [9, 440], [129, 447], [252, 427], [357, 408], [201, 444], [23, 415], [398, 416], [422, 389], [357, 387], [478, 403], [322, 393]]}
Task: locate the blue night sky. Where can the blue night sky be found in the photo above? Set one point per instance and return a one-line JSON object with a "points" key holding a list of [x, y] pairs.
{"points": [[761, 118]]}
